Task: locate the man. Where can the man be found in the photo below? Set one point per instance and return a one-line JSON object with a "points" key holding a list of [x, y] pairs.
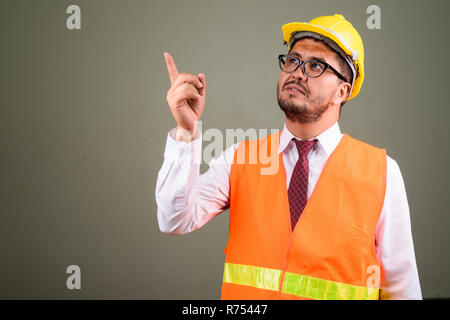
{"points": [[333, 221]]}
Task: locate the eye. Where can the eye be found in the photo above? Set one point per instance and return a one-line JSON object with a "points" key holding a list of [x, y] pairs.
{"points": [[291, 60], [316, 66]]}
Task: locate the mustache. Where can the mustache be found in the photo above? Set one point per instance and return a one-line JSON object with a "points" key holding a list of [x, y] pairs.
{"points": [[298, 84]]}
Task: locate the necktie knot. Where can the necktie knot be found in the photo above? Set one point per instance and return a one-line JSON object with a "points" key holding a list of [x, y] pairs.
{"points": [[304, 147]]}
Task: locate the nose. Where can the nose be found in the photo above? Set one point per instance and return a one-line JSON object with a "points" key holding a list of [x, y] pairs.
{"points": [[299, 74]]}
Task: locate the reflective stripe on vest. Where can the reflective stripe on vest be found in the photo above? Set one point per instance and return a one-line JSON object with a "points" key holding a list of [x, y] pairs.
{"points": [[295, 284]]}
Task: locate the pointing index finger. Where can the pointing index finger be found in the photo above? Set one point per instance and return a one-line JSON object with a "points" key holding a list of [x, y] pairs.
{"points": [[171, 67]]}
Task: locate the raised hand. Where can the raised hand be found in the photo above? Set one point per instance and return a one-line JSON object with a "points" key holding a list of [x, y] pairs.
{"points": [[186, 99]]}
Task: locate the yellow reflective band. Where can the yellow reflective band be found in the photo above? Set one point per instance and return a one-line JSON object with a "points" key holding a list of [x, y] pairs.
{"points": [[320, 289], [263, 278], [295, 284]]}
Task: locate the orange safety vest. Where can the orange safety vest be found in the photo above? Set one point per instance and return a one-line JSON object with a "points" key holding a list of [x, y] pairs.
{"points": [[331, 252]]}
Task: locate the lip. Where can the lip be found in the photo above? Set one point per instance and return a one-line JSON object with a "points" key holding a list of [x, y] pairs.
{"points": [[293, 88]]}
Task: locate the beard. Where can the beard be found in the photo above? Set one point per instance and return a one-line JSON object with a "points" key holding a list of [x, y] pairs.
{"points": [[302, 112]]}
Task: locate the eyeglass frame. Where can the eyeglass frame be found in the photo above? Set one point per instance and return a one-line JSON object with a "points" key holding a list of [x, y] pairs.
{"points": [[302, 63]]}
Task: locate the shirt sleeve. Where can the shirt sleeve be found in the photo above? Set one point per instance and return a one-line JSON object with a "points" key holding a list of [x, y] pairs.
{"points": [[394, 242], [187, 199]]}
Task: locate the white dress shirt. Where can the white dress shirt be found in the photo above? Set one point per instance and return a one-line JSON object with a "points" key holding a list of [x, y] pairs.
{"points": [[187, 200]]}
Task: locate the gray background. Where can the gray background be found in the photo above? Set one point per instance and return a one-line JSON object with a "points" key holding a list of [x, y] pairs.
{"points": [[84, 122]]}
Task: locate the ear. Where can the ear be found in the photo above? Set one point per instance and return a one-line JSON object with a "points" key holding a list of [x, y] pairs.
{"points": [[342, 92]]}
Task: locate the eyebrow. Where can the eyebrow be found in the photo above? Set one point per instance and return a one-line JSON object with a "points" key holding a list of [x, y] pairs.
{"points": [[296, 54]]}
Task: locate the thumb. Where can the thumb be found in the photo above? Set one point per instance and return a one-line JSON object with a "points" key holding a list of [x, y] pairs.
{"points": [[202, 78]]}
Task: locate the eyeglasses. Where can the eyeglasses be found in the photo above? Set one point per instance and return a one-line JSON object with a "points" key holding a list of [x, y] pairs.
{"points": [[311, 68]]}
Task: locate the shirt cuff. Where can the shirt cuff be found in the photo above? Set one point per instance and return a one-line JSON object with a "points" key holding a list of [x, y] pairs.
{"points": [[186, 153]]}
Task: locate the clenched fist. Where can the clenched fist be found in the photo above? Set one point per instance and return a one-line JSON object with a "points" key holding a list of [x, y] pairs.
{"points": [[186, 99]]}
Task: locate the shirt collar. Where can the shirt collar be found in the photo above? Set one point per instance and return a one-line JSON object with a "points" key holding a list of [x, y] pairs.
{"points": [[328, 139]]}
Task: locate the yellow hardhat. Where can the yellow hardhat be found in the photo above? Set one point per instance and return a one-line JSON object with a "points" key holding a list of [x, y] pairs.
{"points": [[341, 32]]}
